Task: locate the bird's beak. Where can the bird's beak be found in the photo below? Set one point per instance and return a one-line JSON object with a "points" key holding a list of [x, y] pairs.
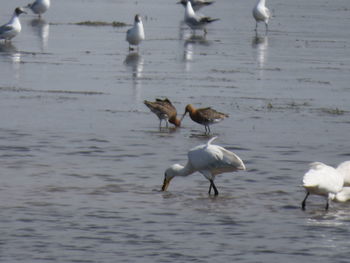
{"points": [[165, 184], [183, 116]]}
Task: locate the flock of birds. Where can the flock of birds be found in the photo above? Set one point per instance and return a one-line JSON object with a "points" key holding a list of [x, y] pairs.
{"points": [[209, 159]]}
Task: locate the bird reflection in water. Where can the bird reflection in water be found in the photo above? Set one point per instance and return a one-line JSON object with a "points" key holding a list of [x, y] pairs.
{"points": [[10, 53], [189, 46], [42, 29], [134, 62], [260, 44]]}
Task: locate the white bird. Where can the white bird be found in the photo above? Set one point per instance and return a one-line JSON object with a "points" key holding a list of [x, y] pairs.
{"points": [[13, 27], [261, 14], [135, 34], [344, 169], [343, 195], [196, 4], [39, 6], [322, 180], [195, 21], [208, 159]]}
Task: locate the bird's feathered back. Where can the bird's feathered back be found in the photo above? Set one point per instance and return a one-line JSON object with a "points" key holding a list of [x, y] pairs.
{"points": [[323, 179]]}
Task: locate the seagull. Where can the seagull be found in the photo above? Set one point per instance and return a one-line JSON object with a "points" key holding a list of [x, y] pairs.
{"points": [[135, 34], [204, 116], [165, 110], [196, 4], [322, 180], [13, 27], [39, 6], [208, 159], [195, 21], [261, 14]]}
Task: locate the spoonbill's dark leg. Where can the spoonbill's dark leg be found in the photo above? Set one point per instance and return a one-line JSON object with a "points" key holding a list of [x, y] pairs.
{"points": [[327, 204], [304, 201], [214, 187]]}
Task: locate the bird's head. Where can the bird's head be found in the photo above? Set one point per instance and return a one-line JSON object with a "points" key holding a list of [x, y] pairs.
{"points": [[169, 174], [189, 108], [182, 2], [20, 10], [175, 121], [137, 18]]}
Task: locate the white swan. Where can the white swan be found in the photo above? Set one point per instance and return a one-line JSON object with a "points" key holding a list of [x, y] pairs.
{"points": [[209, 160]]}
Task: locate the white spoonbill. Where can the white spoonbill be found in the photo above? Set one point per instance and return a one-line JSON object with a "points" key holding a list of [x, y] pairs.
{"points": [[322, 180], [344, 169], [135, 34], [208, 159], [261, 14]]}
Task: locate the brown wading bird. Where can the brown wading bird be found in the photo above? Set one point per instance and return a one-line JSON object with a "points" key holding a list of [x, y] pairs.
{"points": [[164, 110], [204, 116]]}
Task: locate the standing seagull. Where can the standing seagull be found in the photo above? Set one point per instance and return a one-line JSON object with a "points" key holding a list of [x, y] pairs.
{"points": [[208, 159], [196, 4], [39, 6], [13, 27], [165, 110], [322, 180], [261, 14], [135, 34], [204, 116], [195, 21]]}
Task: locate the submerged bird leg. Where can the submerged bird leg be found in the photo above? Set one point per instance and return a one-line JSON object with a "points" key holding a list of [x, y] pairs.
{"points": [[327, 205], [266, 27], [304, 201], [216, 192], [210, 186], [256, 26]]}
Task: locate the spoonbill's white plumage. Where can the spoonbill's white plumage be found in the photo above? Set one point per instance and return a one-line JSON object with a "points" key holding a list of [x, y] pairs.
{"points": [[343, 195], [13, 27], [135, 34], [208, 159], [344, 169], [195, 21], [322, 180], [39, 6], [261, 14]]}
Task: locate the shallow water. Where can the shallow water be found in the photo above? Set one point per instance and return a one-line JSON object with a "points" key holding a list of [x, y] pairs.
{"points": [[82, 159]]}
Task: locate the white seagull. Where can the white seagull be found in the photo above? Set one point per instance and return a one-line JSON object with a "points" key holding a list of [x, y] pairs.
{"points": [[195, 21], [322, 180], [135, 34], [197, 4], [208, 159], [261, 14], [39, 6], [13, 27]]}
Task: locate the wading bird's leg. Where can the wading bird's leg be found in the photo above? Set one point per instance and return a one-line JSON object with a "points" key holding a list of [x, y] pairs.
{"points": [[327, 205], [214, 187], [304, 201]]}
